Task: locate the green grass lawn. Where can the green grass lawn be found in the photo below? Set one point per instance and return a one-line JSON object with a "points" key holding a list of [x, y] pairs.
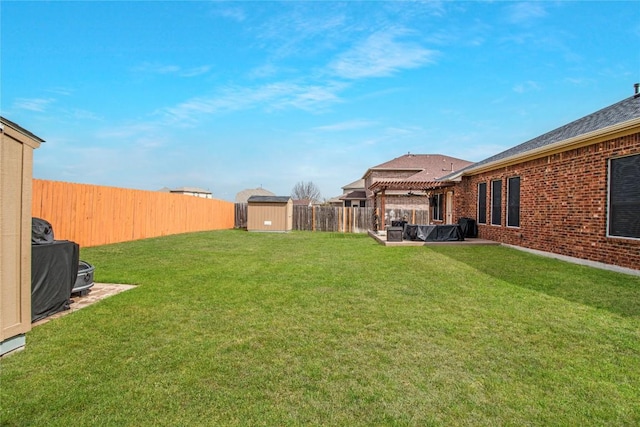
{"points": [[236, 328]]}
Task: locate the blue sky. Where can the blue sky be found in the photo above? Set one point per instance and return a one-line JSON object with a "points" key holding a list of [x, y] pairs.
{"points": [[234, 95]]}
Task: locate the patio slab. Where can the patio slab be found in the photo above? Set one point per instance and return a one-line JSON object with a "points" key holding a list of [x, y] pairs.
{"points": [[381, 237], [98, 292]]}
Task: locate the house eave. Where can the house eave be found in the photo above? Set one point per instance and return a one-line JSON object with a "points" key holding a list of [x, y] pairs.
{"points": [[407, 169], [594, 137]]}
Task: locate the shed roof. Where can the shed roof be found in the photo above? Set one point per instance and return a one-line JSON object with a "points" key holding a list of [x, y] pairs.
{"points": [[269, 199], [6, 122]]}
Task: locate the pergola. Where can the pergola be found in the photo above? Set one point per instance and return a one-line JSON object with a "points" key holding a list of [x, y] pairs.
{"points": [[380, 187]]}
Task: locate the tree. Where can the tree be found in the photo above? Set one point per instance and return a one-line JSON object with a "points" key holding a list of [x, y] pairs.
{"points": [[306, 191]]}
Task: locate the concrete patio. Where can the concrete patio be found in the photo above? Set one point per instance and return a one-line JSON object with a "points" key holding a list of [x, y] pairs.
{"points": [[381, 237], [97, 292]]}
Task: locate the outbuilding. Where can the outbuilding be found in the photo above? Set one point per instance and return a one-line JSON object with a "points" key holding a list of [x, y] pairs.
{"points": [[16, 158], [270, 213]]}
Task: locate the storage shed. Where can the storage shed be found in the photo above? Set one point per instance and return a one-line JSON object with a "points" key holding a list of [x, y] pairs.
{"points": [[270, 213], [16, 175]]}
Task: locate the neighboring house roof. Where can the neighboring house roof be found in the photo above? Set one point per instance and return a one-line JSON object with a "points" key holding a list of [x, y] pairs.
{"points": [[428, 167], [335, 201], [190, 190], [614, 118], [244, 195], [435, 165], [302, 202], [355, 195], [165, 190], [269, 199], [355, 185]]}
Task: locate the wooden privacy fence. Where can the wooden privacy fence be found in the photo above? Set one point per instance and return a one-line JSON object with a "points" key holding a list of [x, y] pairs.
{"points": [[92, 215], [338, 219]]}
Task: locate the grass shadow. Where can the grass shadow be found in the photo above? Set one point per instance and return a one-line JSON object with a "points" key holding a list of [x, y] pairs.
{"points": [[615, 292]]}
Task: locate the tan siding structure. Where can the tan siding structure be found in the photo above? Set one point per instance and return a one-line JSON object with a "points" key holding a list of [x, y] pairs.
{"points": [[270, 213], [16, 160]]}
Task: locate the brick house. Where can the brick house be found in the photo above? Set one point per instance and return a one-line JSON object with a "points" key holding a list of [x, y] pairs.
{"points": [[354, 195], [407, 182], [574, 191]]}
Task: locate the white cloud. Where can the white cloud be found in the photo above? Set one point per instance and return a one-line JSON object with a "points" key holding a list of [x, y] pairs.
{"points": [[310, 97], [527, 86], [344, 126], [155, 68], [195, 71], [80, 114], [579, 81], [61, 91], [380, 55], [233, 13], [279, 95], [126, 131], [33, 104], [525, 12]]}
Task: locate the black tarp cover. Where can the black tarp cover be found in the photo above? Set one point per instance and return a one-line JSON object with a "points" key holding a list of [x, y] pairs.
{"points": [[433, 233], [468, 226], [41, 232], [54, 270]]}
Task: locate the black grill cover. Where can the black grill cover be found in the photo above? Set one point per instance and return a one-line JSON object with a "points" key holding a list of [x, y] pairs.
{"points": [[41, 232], [398, 223], [54, 270], [469, 227], [433, 233]]}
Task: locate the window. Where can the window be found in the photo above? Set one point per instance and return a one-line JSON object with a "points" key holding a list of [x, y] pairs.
{"points": [[482, 203], [436, 207], [496, 202], [624, 197], [513, 202]]}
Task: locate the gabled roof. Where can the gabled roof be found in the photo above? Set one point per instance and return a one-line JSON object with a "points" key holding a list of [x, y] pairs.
{"points": [[6, 122], [429, 168], [355, 195], [244, 195], [355, 185], [269, 199], [435, 164], [615, 118]]}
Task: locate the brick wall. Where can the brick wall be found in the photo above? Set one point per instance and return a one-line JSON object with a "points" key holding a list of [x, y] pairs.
{"points": [[563, 204], [382, 175]]}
